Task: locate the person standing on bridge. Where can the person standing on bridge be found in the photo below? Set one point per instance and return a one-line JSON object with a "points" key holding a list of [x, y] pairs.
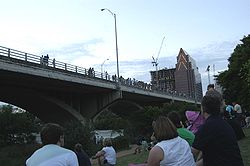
{"points": [[52, 153], [46, 59]]}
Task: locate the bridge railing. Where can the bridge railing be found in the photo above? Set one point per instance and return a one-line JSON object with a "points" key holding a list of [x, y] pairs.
{"points": [[45, 61]]}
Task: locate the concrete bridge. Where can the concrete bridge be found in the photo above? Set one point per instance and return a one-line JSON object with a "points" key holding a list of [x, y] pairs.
{"points": [[57, 92]]}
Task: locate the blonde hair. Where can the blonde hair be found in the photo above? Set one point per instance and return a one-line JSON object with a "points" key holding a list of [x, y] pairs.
{"points": [[107, 142]]}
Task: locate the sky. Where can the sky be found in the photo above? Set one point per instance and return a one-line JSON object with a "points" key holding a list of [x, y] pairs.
{"points": [[79, 33]]}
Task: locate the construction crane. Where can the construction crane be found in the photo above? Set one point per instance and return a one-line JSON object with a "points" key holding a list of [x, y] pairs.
{"points": [[155, 62]]}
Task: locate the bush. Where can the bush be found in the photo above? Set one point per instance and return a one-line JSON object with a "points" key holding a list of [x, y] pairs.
{"points": [[17, 154], [75, 133], [16, 127], [120, 143]]}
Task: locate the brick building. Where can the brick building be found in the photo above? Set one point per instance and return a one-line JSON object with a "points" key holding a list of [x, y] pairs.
{"points": [[184, 79]]}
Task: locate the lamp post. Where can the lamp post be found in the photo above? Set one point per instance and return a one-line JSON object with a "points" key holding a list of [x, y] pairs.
{"points": [[103, 64], [116, 45]]}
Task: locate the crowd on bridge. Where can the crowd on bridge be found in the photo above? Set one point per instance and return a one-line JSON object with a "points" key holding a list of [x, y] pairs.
{"points": [[209, 137], [132, 82]]}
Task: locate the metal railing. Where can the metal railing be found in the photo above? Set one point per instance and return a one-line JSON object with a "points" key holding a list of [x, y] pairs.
{"points": [[45, 61]]}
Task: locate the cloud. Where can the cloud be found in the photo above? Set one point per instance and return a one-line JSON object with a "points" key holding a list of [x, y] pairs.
{"points": [[76, 53], [216, 55]]}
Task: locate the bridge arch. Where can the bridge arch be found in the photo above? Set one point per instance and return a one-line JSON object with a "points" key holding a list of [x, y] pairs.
{"points": [[45, 108], [120, 107]]}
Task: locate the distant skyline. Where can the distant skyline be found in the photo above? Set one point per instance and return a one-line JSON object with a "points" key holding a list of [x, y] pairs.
{"points": [[79, 33]]}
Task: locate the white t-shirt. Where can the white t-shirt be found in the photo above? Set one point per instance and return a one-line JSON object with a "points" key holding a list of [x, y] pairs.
{"points": [[237, 108], [110, 154], [177, 152], [52, 155]]}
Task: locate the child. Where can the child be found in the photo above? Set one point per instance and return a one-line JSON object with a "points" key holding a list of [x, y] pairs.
{"points": [[195, 120]]}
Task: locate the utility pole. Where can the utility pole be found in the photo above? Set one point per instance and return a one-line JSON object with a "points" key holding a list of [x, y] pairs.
{"points": [[116, 46], [208, 73], [214, 74]]}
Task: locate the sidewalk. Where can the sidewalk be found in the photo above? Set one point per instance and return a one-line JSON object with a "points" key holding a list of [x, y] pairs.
{"points": [[120, 153]]}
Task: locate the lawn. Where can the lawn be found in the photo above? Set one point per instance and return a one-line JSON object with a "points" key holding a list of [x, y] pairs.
{"points": [[245, 147]]}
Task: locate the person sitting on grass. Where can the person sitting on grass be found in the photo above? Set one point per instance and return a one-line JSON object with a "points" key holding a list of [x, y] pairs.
{"points": [[216, 138], [83, 158], [182, 132], [170, 149], [52, 153], [108, 153]]}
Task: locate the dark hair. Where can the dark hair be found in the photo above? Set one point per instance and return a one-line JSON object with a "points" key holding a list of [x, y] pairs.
{"points": [[210, 86], [51, 133], [211, 104], [175, 118], [164, 129], [78, 147]]}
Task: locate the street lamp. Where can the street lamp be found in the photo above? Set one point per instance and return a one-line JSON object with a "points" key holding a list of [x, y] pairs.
{"points": [[103, 64], [117, 62]]}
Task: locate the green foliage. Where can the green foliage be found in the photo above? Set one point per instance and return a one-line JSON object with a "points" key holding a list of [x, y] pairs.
{"points": [[142, 120], [236, 80], [120, 143], [110, 121], [16, 127], [16, 154], [75, 132], [181, 108]]}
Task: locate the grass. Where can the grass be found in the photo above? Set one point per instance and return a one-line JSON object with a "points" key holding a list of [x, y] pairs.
{"points": [[16, 155], [132, 158], [244, 145]]}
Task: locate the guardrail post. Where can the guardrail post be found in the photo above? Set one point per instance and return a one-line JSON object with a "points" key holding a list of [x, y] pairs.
{"points": [[76, 69], [65, 66], [25, 56], [8, 52], [54, 62]]}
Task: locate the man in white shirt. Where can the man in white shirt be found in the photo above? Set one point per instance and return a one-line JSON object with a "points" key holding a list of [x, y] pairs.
{"points": [[108, 152], [239, 115], [237, 108], [52, 153]]}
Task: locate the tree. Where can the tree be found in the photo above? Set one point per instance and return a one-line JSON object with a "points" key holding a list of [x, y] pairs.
{"points": [[75, 132], [110, 121], [16, 127], [236, 80]]}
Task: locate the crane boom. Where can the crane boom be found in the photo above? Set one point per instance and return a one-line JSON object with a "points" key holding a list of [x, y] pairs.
{"points": [[160, 48], [155, 62]]}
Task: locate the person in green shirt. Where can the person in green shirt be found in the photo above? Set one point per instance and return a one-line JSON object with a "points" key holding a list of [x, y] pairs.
{"points": [[182, 132]]}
